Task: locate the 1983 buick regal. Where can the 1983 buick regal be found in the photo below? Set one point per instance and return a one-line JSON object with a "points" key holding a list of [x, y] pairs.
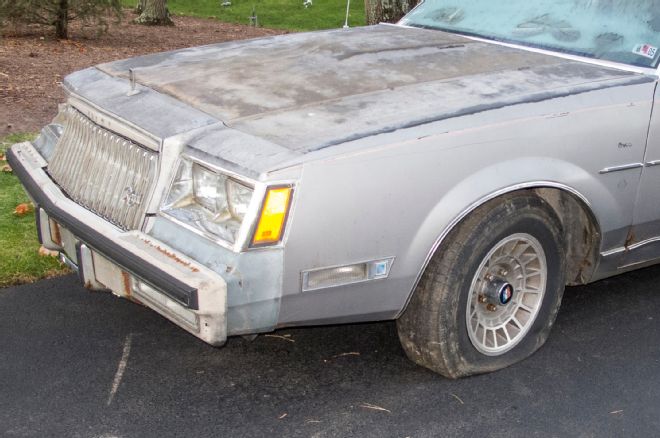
{"points": [[453, 172]]}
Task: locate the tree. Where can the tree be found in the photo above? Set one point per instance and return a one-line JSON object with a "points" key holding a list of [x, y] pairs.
{"points": [[387, 10], [59, 13], [153, 13], [139, 7]]}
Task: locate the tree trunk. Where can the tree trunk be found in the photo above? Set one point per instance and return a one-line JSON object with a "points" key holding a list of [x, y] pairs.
{"points": [[139, 7], [379, 11], [62, 19], [155, 13]]}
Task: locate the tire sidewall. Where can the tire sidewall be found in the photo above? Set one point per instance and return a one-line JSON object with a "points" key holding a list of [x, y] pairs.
{"points": [[545, 228]]}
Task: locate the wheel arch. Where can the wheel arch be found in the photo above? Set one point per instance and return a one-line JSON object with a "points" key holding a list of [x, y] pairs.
{"points": [[582, 229]]}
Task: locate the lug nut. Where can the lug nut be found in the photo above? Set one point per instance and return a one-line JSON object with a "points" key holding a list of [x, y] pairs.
{"points": [[491, 307], [482, 299]]}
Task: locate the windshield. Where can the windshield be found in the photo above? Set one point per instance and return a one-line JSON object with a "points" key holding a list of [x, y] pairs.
{"points": [[612, 30]]}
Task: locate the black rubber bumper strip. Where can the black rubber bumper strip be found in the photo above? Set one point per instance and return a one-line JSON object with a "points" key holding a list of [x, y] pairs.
{"points": [[164, 282]]}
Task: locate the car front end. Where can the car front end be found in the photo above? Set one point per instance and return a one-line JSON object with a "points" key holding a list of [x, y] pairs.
{"points": [[154, 220]]}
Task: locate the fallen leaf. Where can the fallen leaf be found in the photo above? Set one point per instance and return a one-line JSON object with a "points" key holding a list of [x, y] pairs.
{"points": [[2, 157], [6, 168], [22, 209], [45, 252]]}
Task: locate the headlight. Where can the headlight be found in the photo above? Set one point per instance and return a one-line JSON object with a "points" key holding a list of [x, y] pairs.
{"points": [[209, 201]]}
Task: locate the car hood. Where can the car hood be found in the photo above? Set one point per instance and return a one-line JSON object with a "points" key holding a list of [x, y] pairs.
{"points": [[309, 91]]}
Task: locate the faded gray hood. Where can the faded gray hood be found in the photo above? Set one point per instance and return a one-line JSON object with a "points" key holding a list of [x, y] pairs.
{"points": [[312, 90]]}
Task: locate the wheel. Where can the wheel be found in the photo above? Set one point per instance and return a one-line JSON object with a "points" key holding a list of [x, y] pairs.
{"points": [[490, 294]]}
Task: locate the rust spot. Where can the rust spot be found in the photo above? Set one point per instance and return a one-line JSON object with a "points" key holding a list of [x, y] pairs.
{"points": [[630, 239], [126, 281], [171, 256], [55, 235], [128, 292]]}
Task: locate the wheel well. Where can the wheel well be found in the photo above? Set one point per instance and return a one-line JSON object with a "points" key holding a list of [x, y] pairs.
{"points": [[581, 233]]}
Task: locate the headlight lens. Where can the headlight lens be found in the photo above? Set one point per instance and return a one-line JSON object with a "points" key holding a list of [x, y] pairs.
{"points": [[209, 201], [209, 189]]}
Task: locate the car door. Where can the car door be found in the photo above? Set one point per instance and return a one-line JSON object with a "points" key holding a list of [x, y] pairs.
{"points": [[643, 243]]}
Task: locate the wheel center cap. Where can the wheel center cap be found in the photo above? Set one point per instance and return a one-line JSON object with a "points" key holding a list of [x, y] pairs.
{"points": [[498, 292], [506, 293]]}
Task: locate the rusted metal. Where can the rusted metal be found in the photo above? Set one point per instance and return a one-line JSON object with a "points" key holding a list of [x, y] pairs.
{"points": [[55, 235], [126, 281], [171, 255], [630, 239]]}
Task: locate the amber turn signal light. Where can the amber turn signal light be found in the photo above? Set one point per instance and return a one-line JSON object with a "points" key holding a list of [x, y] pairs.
{"points": [[272, 220]]}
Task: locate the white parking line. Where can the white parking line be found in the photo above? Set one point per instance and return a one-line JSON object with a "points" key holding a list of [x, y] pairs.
{"points": [[121, 367]]}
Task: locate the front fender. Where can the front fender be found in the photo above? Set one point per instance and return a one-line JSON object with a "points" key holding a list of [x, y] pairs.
{"points": [[505, 177]]}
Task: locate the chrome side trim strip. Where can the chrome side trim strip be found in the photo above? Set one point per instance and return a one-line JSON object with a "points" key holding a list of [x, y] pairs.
{"points": [[630, 265], [645, 242], [613, 251], [632, 247], [652, 163], [620, 168]]}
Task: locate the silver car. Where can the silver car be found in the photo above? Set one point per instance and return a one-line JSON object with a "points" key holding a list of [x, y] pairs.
{"points": [[453, 172]]}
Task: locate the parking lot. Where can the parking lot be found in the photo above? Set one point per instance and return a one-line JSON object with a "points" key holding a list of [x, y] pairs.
{"points": [[77, 363]]}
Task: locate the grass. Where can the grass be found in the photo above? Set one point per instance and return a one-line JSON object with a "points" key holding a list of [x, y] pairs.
{"points": [[277, 14], [20, 261]]}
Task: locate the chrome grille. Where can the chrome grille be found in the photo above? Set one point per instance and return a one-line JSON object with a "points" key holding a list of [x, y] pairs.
{"points": [[102, 171]]}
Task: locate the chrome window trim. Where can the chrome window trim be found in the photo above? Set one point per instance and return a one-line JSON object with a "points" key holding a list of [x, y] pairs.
{"points": [[571, 57]]}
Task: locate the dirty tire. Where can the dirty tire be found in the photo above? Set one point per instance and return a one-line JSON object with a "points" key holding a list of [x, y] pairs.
{"points": [[433, 329]]}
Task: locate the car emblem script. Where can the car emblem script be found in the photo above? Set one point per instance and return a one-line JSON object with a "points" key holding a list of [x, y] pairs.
{"points": [[130, 197]]}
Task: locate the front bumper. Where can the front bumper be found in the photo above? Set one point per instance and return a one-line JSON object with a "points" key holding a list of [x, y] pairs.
{"points": [[132, 264]]}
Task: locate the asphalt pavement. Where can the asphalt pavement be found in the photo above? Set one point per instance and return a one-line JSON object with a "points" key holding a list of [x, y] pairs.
{"points": [[75, 363]]}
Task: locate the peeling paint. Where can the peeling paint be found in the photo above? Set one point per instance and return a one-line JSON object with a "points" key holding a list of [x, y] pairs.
{"points": [[171, 255], [306, 92]]}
